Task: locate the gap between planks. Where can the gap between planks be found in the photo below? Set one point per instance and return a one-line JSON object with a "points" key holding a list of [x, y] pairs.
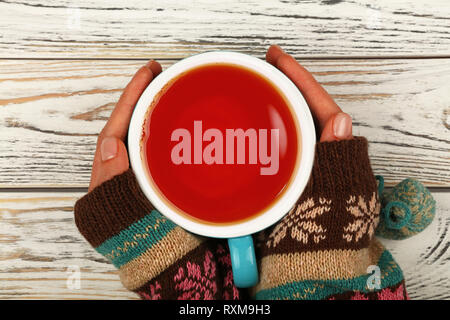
{"points": [[299, 57]]}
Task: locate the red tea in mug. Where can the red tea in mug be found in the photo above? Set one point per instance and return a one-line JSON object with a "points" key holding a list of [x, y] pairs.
{"points": [[220, 143]]}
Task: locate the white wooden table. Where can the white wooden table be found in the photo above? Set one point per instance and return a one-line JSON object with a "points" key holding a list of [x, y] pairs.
{"points": [[64, 63]]}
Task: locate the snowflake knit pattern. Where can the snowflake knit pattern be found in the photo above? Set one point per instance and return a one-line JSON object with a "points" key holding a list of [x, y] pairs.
{"points": [[324, 248]]}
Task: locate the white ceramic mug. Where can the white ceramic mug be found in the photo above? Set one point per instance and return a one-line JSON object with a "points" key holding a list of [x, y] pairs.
{"points": [[238, 234]]}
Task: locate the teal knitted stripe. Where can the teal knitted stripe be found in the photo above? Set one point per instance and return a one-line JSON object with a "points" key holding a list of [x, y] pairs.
{"points": [[131, 242], [320, 289]]}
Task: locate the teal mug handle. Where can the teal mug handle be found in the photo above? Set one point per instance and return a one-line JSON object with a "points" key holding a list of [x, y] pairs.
{"points": [[243, 261]]}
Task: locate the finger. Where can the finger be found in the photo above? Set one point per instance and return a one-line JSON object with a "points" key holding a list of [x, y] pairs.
{"points": [[112, 160], [119, 120], [321, 104]]}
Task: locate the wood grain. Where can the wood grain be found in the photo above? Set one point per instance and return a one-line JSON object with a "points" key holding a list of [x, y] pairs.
{"points": [[52, 111], [175, 29], [39, 243], [425, 257]]}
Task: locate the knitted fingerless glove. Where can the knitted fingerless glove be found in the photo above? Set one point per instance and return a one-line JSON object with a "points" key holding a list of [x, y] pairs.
{"points": [[325, 247], [156, 258]]}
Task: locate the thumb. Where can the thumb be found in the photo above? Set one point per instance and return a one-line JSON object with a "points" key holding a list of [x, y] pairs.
{"points": [[337, 127], [114, 158]]}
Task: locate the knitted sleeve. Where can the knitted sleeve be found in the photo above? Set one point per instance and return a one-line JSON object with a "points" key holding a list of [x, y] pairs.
{"points": [[325, 247], [156, 259]]}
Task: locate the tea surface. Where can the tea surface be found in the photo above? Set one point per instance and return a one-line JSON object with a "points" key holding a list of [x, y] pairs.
{"points": [[220, 143]]}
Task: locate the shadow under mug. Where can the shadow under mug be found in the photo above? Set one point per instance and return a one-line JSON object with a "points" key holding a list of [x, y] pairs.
{"points": [[239, 235]]}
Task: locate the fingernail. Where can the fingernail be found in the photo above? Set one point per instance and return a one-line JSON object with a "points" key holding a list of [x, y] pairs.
{"points": [[149, 64], [276, 55], [108, 148], [342, 126], [154, 67], [278, 47]]}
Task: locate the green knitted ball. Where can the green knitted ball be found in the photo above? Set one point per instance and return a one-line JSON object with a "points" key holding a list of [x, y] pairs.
{"points": [[406, 209]]}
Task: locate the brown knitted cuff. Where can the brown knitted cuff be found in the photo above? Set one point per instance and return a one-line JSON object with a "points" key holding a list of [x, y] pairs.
{"points": [[110, 208], [156, 258], [339, 207], [342, 168]]}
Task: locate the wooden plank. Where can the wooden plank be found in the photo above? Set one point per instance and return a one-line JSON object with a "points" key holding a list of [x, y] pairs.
{"points": [[176, 28], [41, 248], [48, 130], [39, 244]]}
